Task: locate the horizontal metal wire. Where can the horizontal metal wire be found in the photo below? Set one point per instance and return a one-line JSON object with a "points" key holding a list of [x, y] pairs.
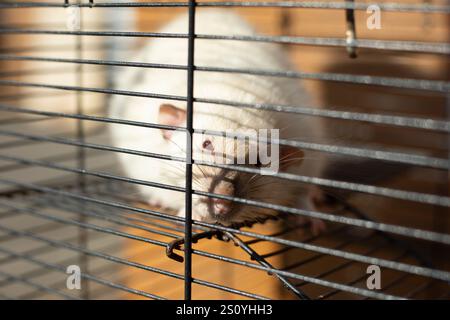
{"points": [[31, 72], [174, 226], [423, 271], [26, 142], [14, 120], [98, 270], [366, 153], [93, 90], [260, 258], [401, 7], [400, 121], [402, 83], [274, 234], [343, 265], [43, 72], [370, 189], [42, 271], [89, 226], [356, 187], [406, 158], [63, 48], [58, 158], [409, 46], [430, 124], [17, 143], [38, 286], [73, 206], [126, 262], [38, 118], [82, 274], [58, 203], [132, 34], [53, 159], [394, 45], [32, 95], [46, 249], [325, 283], [361, 278], [120, 222], [112, 194], [334, 292], [393, 283], [399, 194], [92, 226], [118, 219], [363, 292], [427, 272], [115, 63], [91, 145], [8, 108], [48, 227], [438, 86], [400, 230], [341, 245], [263, 262]]}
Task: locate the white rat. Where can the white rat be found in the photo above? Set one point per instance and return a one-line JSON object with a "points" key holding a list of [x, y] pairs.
{"points": [[226, 86]]}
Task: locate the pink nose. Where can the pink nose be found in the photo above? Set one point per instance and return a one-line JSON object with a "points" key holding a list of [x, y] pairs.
{"points": [[223, 206]]}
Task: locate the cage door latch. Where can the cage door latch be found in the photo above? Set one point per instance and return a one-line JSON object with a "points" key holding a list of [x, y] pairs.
{"points": [[176, 244]]}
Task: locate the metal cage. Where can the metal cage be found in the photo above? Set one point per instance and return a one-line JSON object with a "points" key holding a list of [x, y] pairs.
{"points": [[65, 202]]}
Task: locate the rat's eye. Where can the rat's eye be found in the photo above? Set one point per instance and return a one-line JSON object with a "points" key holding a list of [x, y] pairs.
{"points": [[207, 145]]}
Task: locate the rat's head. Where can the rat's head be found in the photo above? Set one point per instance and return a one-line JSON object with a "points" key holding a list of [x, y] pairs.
{"points": [[216, 152]]}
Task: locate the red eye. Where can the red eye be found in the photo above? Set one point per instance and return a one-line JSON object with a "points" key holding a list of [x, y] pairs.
{"points": [[207, 144]]}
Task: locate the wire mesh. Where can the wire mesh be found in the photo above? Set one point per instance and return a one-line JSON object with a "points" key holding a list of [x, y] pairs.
{"points": [[65, 201]]}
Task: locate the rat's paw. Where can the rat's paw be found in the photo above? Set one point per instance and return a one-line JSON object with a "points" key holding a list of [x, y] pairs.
{"points": [[181, 212], [154, 203], [316, 226]]}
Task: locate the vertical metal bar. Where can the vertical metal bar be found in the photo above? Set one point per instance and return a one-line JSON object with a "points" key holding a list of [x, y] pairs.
{"points": [[189, 134], [351, 31], [440, 215], [81, 157]]}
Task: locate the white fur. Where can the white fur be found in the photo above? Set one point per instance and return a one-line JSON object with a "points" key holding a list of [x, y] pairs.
{"points": [[227, 86]]}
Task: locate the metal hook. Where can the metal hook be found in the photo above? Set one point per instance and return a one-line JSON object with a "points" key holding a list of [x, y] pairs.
{"points": [[219, 234], [351, 30], [176, 244]]}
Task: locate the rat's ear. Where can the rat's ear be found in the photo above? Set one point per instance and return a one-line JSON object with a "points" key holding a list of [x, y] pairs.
{"points": [[290, 156], [170, 115]]}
